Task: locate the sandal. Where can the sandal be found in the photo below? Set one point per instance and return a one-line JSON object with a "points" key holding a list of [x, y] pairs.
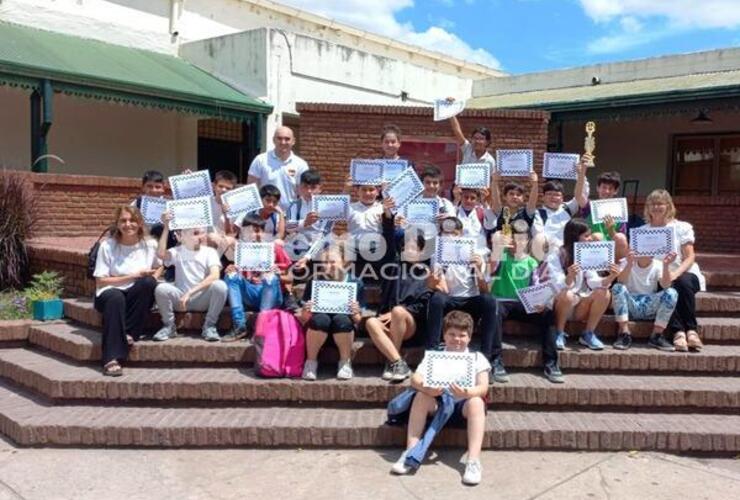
{"points": [[694, 341], [679, 342], [112, 369]]}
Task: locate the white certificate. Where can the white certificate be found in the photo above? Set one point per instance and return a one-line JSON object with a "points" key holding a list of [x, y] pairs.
{"points": [[616, 207], [241, 201], [652, 241], [594, 255], [393, 168], [404, 188], [190, 212], [421, 211], [191, 185], [331, 206], [252, 256], [451, 250], [152, 208], [560, 166], [366, 172], [534, 296], [514, 162], [473, 175], [333, 297], [444, 109], [443, 368]]}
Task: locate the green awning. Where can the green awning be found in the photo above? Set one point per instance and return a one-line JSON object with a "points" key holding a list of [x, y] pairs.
{"points": [[98, 70]]}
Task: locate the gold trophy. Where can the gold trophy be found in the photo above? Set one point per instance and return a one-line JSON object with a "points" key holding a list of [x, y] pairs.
{"points": [[506, 227], [590, 143]]}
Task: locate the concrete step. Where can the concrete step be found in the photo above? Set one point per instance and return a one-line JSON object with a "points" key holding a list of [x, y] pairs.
{"points": [[83, 344], [59, 379], [713, 329], [30, 422]]}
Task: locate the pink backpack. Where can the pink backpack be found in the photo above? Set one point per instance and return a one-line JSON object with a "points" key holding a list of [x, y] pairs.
{"points": [[280, 345]]}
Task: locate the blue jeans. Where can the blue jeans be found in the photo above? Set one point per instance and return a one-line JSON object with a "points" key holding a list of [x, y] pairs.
{"points": [[252, 296], [658, 306]]}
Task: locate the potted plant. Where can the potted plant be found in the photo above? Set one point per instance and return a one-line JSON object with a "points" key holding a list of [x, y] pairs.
{"points": [[44, 292]]}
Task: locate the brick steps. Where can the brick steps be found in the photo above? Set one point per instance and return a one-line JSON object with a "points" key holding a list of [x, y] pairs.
{"points": [[725, 329], [31, 422], [83, 344], [60, 380]]}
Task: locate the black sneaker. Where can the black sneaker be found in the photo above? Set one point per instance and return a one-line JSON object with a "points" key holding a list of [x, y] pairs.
{"points": [[400, 371], [659, 342], [498, 371], [623, 342], [553, 374], [235, 334]]}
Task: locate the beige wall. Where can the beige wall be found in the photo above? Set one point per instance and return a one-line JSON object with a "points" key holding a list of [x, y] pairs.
{"points": [[640, 148], [100, 138]]}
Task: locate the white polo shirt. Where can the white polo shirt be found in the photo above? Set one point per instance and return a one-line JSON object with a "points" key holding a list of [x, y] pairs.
{"points": [[284, 175]]}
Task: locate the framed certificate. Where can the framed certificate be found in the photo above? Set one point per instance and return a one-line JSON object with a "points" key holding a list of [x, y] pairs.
{"points": [[332, 207], [652, 241], [560, 166], [616, 207], [514, 162], [333, 297], [444, 109], [241, 201], [393, 168], [534, 296], [252, 256], [404, 188], [366, 172], [421, 211], [451, 250], [594, 255], [473, 175], [444, 368], [152, 208], [190, 212], [191, 185]]}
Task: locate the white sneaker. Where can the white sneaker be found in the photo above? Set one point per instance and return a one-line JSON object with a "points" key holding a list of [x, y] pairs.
{"points": [[473, 472], [345, 370], [309, 370], [400, 466]]}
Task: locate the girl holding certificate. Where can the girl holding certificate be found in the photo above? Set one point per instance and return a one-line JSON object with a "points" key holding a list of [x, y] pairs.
{"points": [[126, 274], [685, 274], [584, 295], [332, 266]]}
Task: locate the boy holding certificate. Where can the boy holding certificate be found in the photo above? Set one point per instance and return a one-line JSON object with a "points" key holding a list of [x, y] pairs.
{"points": [[254, 290], [153, 186], [516, 269], [551, 218], [431, 177], [607, 186], [478, 220], [469, 401], [196, 286], [364, 226], [513, 201], [272, 214], [303, 225], [637, 295], [222, 234]]}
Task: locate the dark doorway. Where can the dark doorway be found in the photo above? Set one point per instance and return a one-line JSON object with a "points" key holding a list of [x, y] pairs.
{"points": [[224, 145]]}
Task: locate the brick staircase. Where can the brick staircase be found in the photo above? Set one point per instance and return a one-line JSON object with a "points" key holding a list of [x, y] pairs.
{"points": [[189, 393]]}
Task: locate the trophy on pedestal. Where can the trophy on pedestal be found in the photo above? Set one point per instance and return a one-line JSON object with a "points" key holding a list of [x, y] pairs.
{"points": [[589, 144]]}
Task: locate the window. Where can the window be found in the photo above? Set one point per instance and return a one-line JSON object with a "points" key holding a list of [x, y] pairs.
{"points": [[706, 165]]}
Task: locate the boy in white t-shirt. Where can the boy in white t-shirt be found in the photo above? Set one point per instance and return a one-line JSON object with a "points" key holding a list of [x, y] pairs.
{"points": [[431, 177], [470, 403], [550, 219], [637, 296], [478, 220], [197, 286], [364, 225]]}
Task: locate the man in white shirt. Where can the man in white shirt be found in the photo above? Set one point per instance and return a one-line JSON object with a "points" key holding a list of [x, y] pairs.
{"points": [[279, 167]]}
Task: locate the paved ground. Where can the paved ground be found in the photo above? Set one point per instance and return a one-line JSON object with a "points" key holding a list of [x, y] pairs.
{"points": [[355, 474]]}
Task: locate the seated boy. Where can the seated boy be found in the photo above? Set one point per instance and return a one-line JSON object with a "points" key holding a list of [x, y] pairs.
{"points": [[513, 199], [478, 220], [469, 403], [303, 226], [431, 177], [152, 184], [551, 218], [607, 186], [272, 214], [364, 225], [222, 234], [196, 286], [463, 287], [255, 291]]}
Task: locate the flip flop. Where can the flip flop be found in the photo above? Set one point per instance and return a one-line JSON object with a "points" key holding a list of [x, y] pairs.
{"points": [[112, 369]]}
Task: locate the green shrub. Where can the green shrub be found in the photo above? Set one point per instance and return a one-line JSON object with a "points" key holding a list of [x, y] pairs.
{"points": [[45, 286], [18, 218]]}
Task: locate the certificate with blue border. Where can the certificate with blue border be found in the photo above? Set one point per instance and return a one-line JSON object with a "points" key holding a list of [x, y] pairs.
{"points": [[421, 211], [190, 212], [242, 200], [535, 296], [560, 166], [254, 256], [594, 255], [191, 185], [333, 297], [444, 368], [393, 168], [616, 207], [332, 207], [454, 251], [473, 175], [652, 241], [366, 172], [152, 208], [404, 188], [514, 162]]}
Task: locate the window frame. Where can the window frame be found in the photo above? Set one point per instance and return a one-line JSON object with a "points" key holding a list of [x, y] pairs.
{"points": [[716, 139]]}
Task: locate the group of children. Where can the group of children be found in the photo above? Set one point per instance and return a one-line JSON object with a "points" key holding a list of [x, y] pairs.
{"points": [[517, 244]]}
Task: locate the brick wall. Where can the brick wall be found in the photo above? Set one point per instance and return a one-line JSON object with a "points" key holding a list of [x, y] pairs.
{"points": [[79, 205], [70, 263], [333, 134]]}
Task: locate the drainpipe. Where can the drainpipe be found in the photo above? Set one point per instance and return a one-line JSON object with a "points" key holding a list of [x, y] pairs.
{"points": [[176, 7], [42, 101]]}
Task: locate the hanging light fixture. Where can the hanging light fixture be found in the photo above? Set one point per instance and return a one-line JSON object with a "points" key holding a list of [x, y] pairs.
{"points": [[702, 118]]}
